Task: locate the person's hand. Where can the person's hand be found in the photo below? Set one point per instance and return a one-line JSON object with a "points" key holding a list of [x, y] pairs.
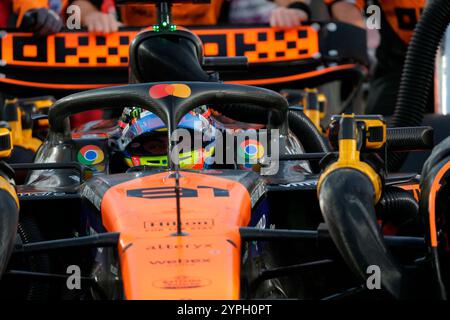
{"points": [[287, 17], [43, 22], [101, 22], [348, 13]]}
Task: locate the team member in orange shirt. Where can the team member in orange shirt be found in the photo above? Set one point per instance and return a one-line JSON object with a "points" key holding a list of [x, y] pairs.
{"points": [[98, 15], [398, 20], [46, 14], [185, 14], [145, 15], [287, 16], [49, 15]]}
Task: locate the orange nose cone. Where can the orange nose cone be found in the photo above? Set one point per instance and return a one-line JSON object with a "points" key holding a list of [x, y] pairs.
{"points": [[156, 264], [180, 268]]}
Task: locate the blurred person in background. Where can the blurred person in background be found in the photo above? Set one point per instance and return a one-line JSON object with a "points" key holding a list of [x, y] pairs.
{"points": [[98, 15], [282, 13], [46, 15], [49, 15], [398, 21]]}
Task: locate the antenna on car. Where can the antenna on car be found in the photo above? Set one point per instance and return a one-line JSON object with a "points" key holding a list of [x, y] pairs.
{"points": [[164, 14], [164, 23], [174, 167], [178, 198]]}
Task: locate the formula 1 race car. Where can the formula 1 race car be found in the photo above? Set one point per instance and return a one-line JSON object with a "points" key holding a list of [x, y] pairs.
{"points": [[266, 206]]}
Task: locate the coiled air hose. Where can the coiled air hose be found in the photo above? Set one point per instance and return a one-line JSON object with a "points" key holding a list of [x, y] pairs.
{"points": [[307, 133], [417, 77], [311, 139], [399, 207]]}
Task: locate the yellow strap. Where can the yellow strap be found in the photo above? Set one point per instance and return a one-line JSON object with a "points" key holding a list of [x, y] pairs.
{"points": [[5, 185]]}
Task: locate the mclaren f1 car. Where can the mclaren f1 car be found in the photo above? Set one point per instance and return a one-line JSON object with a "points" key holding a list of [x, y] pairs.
{"points": [[291, 213]]}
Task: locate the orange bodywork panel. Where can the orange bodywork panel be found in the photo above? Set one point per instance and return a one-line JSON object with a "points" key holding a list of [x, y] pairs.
{"points": [[205, 262]]}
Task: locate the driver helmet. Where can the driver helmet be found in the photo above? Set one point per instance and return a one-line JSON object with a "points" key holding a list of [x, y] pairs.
{"points": [[144, 140]]}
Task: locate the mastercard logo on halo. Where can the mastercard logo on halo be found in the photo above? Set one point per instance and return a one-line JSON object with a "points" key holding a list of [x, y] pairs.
{"points": [[90, 155], [163, 90]]}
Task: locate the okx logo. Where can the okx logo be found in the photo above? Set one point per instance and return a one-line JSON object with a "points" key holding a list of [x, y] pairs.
{"points": [[179, 90]]}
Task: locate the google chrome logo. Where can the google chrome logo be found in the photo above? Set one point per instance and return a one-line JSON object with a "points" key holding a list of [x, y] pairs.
{"points": [[250, 151], [90, 155]]}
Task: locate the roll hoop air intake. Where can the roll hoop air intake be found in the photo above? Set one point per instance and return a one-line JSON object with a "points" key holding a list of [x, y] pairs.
{"points": [[348, 190], [417, 77]]}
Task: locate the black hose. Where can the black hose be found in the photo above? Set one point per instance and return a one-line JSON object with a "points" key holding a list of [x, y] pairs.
{"points": [[399, 207], [439, 153], [417, 77], [307, 133], [245, 112], [346, 199], [410, 138]]}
